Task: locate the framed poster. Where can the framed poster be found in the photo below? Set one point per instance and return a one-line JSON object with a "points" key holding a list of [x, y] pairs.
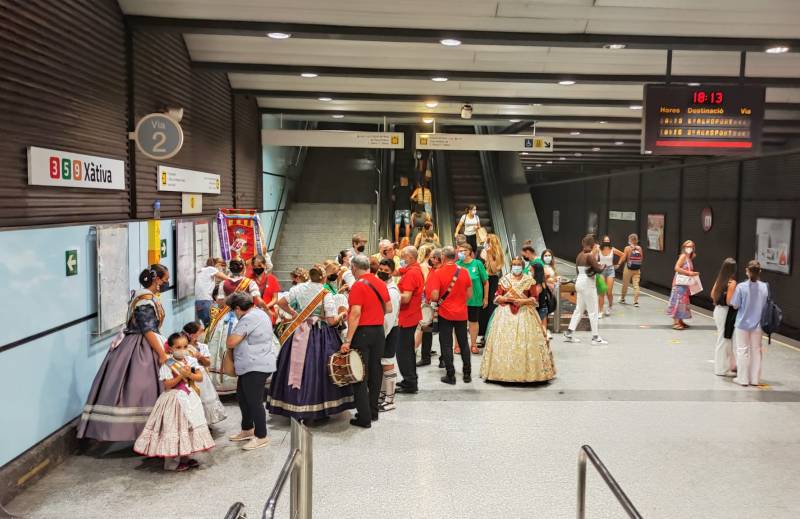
{"points": [[592, 223], [556, 220], [184, 258], [113, 292], [774, 244], [655, 231], [202, 244]]}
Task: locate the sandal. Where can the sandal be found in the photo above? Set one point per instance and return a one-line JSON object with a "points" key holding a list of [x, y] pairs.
{"points": [[475, 350], [192, 463], [182, 467], [678, 326], [457, 350]]}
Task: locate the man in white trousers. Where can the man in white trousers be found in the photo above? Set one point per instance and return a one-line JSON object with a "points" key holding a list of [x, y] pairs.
{"points": [[586, 290]]}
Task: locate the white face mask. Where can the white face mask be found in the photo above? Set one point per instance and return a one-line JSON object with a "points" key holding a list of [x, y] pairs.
{"points": [[516, 269], [402, 263], [547, 259], [689, 250], [179, 354]]}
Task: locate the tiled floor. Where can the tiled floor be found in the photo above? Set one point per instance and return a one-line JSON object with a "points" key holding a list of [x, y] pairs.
{"points": [[682, 442]]}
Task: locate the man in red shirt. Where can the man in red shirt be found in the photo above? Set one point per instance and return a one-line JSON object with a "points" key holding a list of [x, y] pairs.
{"points": [[431, 282], [452, 289], [411, 285], [369, 301]]}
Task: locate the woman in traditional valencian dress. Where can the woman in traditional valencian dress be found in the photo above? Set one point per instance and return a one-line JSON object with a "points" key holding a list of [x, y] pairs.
{"points": [[301, 387], [516, 347], [127, 384], [223, 321]]}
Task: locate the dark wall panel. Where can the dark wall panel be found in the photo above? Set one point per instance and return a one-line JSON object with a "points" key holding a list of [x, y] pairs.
{"points": [[248, 153], [63, 90], [338, 175], [624, 196], [660, 192], [163, 77]]}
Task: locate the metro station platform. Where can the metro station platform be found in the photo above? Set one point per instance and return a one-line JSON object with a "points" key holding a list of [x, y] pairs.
{"points": [[682, 443]]}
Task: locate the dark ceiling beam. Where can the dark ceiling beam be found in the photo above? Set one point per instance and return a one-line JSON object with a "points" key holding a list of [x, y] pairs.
{"points": [[526, 121], [467, 37], [479, 75]]}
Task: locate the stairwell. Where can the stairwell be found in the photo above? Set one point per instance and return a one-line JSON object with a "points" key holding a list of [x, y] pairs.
{"points": [[314, 232], [466, 185]]}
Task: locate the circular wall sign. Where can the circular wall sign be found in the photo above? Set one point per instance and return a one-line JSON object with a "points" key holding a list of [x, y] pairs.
{"points": [[707, 219], [159, 136]]}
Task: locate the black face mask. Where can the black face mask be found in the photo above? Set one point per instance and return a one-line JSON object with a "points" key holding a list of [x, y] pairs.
{"points": [[360, 248], [384, 275], [258, 272], [333, 277], [430, 263]]}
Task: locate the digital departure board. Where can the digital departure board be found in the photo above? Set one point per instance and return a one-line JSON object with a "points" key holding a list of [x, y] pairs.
{"points": [[702, 120]]}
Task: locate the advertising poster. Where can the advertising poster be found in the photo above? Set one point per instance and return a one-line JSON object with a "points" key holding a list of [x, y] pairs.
{"points": [[113, 292], [592, 223], [185, 259], [655, 232], [202, 244], [774, 244]]}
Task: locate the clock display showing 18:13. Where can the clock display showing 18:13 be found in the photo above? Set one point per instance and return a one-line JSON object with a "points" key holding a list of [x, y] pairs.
{"points": [[701, 97]]}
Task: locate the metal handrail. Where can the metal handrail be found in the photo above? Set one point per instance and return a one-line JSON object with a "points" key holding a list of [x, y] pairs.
{"points": [[587, 452], [299, 467], [286, 471]]}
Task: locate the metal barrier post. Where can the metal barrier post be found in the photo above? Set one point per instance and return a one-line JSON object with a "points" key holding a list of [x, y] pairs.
{"points": [[581, 484], [557, 317], [585, 453], [302, 476]]}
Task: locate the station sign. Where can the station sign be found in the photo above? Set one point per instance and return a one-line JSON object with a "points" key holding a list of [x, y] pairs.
{"points": [[187, 181], [332, 139], [468, 141], [64, 169], [158, 136], [707, 120], [629, 216]]}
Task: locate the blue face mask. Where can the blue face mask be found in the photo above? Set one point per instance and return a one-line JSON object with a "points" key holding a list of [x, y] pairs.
{"points": [[516, 269], [402, 263], [461, 256]]}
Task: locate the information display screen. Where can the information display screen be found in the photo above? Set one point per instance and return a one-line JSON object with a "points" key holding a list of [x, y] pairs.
{"points": [[702, 120]]}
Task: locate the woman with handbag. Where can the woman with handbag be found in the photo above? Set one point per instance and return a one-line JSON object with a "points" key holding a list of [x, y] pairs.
{"points": [[253, 362], [588, 267], [516, 347], [724, 317], [679, 300]]}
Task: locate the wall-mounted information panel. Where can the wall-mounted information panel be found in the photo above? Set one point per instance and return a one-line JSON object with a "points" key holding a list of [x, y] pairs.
{"points": [[702, 120]]}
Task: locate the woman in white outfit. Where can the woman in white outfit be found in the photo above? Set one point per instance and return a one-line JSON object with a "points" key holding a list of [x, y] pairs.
{"points": [[749, 299], [606, 259], [586, 290], [722, 294]]}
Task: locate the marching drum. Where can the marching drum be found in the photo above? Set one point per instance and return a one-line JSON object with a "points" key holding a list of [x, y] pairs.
{"points": [[428, 315], [346, 368]]}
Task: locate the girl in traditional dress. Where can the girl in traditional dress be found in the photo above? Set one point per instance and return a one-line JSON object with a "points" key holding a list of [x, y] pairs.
{"points": [[223, 321], [177, 427], [516, 347], [679, 300], [127, 385], [301, 387], [212, 406]]}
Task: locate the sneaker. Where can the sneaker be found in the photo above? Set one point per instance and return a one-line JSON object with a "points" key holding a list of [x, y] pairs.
{"points": [[568, 337], [467, 378], [636, 304], [386, 406], [622, 302], [608, 311], [256, 443], [243, 436], [549, 336], [600, 315], [449, 379], [599, 340]]}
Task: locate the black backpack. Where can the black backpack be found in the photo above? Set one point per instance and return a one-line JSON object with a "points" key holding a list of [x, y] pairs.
{"points": [[771, 316]]}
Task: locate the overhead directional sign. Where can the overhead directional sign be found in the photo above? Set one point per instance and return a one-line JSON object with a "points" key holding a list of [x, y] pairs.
{"points": [[187, 181], [332, 139], [71, 260], [457, 141]]}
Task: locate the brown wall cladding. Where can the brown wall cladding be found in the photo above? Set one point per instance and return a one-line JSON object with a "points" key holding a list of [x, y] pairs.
{"points": [[62, 90], [248, 153], [163, 77]]}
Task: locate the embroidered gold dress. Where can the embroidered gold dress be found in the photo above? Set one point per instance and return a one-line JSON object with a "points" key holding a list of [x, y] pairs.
{"points": [[516, 347]]}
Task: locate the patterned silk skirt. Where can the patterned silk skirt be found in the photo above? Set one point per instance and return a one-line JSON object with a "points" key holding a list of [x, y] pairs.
{"points": [[316, 397], [679, 303], [176, 427], [212, 406], [516, 348]]}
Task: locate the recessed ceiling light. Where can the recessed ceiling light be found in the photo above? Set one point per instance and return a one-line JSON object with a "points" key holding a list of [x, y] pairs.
{"points": [[575, 132], [549, 161], [528, 167], [538, 165], [578, 154], [562, 158], [338, 116], [427, 120], [279, 35], [648, 152], [595, 149], [693, 84], [777, 50], [619, 143], [614, 46], [308, 74], [431, 104], [603, 122], [536, 104], [439, 79], [635, 107], [450, 42], [514, 120], [326, 99], [566, 82], [525, 153]]}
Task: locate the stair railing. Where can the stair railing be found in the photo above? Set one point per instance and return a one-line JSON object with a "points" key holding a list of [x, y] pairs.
{"points": [[586, 452]]}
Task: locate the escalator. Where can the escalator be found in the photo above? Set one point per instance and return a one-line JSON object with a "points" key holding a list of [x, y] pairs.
{"points": [[467, 186]]}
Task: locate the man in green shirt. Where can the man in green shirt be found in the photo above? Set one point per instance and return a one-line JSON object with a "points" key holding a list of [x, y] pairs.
{"points": [[480, 292]]}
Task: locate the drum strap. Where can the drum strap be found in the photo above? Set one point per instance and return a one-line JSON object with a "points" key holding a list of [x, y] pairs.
{"points": [[450, 286], [303, 315], [377, 294]]}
